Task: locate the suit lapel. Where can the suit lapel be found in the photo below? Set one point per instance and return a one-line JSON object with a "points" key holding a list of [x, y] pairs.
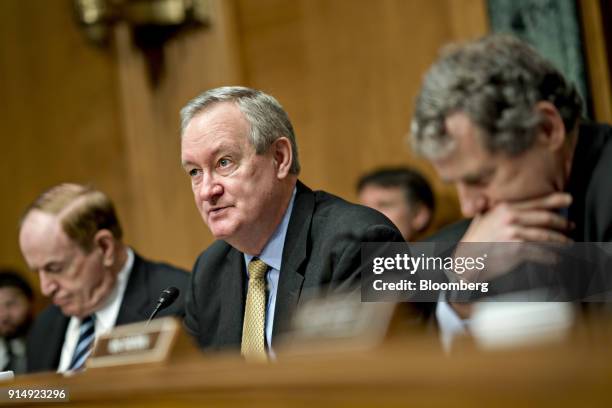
{"points": [[231, 298], [136, 304], [53, 343], [294, 254]]}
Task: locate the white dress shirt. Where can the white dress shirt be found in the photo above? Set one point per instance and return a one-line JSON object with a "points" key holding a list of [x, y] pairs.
{"points": [[449, 323], [106, 316]]}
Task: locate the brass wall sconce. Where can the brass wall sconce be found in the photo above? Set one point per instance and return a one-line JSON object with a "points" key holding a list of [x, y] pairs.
{"points": [[160, 18], [151, 22]]}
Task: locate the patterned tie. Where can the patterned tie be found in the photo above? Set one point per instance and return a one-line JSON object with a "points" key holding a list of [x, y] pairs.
{"points": [[83, 347], [253, 339]]}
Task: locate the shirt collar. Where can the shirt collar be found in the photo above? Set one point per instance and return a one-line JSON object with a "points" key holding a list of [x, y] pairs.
{"points": [[107, 315], [272, 253]]}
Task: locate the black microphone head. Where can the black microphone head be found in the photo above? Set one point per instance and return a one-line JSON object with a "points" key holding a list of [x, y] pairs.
{"points": [[168, 296]]}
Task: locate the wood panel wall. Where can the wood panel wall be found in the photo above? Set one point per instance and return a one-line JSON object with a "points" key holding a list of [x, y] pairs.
{"points": [[59, 116], [347, 71], [594, 21]]}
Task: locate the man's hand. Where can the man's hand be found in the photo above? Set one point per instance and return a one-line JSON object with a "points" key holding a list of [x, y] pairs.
{"points": [[535, 220]]}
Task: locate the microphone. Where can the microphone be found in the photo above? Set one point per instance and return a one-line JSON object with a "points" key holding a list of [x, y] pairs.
{"points": [[167, 297]]}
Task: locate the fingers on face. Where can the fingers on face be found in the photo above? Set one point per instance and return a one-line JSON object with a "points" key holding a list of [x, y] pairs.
{"points": [[552, 201], [541, 235], [543, 219]]}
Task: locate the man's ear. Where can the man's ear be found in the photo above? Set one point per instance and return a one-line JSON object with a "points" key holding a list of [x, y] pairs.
{"points": [[421, 218], [283, 155], [105, 241], [552, 129]]}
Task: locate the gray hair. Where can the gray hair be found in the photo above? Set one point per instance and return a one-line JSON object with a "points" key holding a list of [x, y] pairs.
{"points": [[267, 119], [496, 81]]}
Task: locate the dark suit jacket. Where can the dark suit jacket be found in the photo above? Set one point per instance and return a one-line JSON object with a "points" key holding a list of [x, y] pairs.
{"points": [[322, 252], [146, 281], [590, 184]]}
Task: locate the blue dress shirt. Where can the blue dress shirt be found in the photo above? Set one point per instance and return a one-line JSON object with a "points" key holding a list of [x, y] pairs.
{"points": [[272, 255]]}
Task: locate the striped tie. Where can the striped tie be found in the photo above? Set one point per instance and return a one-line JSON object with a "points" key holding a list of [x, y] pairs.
{"points": [[83, 347], [253, 341]]}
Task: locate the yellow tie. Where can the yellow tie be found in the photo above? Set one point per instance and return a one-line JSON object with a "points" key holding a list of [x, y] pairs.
{"points": [[253, 329]]}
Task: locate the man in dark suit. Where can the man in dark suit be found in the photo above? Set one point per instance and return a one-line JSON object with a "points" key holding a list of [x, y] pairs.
{"points": [[71, 237], [277, 239], [501, 123]]}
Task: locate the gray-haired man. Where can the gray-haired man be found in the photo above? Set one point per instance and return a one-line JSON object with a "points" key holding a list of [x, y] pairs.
{"points": [[501, 123], [276, 237]]}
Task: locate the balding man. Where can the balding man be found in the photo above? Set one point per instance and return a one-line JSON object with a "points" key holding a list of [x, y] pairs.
{"points": [[71, 237]]}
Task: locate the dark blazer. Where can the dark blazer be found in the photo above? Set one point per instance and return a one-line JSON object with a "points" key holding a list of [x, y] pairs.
{"points": [[146, 281], [322, 252], [590, 184]]}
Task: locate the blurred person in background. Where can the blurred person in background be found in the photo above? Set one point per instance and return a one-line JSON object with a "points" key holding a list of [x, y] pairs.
{"points": [[403, 195], [71, 237], [505, 126], [16, 302]]}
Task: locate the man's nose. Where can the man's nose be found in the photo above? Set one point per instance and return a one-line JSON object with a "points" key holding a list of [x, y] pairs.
{"points": [[47, 284], [210, 189], [472, 201]]}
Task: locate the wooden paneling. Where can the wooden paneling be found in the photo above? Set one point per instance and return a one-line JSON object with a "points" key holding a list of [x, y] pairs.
{"points": [[598, 60], [59, 117], [77, 112], [347, 71], [164, 220]]}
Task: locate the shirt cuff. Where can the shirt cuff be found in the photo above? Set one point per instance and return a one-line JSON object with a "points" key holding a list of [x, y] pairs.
{"points": [[449, 322]]}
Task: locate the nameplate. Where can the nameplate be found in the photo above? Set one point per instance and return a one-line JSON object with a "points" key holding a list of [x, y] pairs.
{"points": [[135, 343], [337, 322]]}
